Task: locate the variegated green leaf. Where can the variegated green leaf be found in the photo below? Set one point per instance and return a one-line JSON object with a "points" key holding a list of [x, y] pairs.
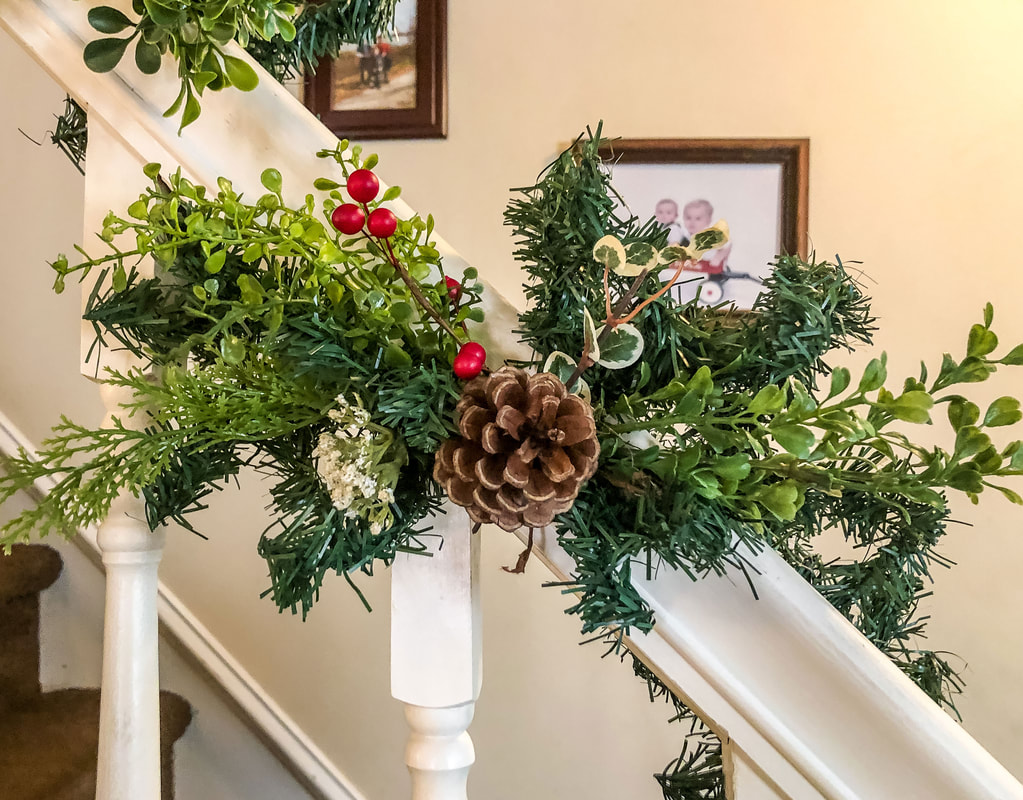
{"points": [[563, 365], [622, 347], [638, 257], [590, 346], [610, 251], [708, 239], [673, 253]]}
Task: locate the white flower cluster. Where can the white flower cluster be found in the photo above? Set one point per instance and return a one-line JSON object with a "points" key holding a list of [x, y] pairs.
{"points": [[348, 462]]}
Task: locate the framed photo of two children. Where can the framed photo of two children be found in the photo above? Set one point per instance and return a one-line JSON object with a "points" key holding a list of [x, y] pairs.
{"points": [[758, 186]]}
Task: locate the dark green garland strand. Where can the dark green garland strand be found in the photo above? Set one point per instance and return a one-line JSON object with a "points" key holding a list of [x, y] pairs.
{"points": [[807, 309], [320, 32], [71, 135]]}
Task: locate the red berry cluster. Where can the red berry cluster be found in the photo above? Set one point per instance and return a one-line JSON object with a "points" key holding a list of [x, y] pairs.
{"points": [[350, 218]]}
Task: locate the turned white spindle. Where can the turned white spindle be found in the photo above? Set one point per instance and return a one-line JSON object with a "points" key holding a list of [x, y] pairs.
{"points": [[129, 729], [129, 735], [436, 656]]}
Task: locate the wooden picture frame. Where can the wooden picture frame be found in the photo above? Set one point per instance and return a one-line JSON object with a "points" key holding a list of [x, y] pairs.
{"points": [[424, 117], [759, 186]]}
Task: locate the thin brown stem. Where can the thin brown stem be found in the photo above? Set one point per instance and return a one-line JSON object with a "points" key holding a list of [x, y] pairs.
{"points": [[417, 293], [607, 290], [667, 285], [585, 362], [523, 559]]}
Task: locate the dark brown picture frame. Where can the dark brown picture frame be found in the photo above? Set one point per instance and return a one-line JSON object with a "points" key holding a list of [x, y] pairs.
{"points": [[792, 154], [427, 120]]}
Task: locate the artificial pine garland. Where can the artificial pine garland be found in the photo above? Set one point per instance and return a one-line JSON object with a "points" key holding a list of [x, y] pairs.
{"points": [[71, 134], [325, 346], [321, 30], [268, 338]]}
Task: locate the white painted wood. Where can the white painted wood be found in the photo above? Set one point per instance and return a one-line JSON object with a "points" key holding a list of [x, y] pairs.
{"points": [[436, 655], [129, 735], [803, 695], [129, 724], [745, 779]]}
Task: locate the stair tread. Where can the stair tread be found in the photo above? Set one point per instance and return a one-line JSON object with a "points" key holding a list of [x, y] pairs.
{"points": [[28, 569], [50, 743]]}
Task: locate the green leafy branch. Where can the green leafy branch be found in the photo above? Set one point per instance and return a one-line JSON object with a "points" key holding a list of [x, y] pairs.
{"points": [[767, 449], [230, 273], [195, 33]]}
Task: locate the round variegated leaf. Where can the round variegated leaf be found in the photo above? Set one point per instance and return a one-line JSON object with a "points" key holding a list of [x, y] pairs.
{"points": [[621, 347], [638, 257], [610, 251], [709, 238], [673, 253], [563, 365]]}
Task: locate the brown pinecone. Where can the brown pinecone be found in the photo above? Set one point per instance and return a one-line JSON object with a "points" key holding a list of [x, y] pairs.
{"points": [[527, 447]]}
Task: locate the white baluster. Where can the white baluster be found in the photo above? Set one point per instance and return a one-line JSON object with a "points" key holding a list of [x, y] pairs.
{"points": [[129, 735], [129, 730], [436, 657]]}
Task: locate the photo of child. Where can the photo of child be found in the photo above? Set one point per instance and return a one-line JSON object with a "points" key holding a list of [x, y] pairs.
{"points": [[666, 213], [685, 199]]}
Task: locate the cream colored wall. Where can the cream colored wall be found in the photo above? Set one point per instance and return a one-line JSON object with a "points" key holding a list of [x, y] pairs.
{"points": [[914, 112]]}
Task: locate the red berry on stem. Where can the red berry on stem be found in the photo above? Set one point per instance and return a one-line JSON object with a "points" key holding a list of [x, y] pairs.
{"points": [[470, 361], [473, 350], [348, 218], [382, 223], [363, 185], [454, 287]]}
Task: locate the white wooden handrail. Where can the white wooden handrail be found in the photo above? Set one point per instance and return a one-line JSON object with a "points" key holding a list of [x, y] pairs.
{"points": [[806, 706]]}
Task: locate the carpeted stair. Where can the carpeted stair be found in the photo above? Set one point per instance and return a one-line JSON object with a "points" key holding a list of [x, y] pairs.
{"points": [[49, 740]]}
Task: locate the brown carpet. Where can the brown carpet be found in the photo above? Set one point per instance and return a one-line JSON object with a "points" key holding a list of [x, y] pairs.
{"points": [[49, 740]]}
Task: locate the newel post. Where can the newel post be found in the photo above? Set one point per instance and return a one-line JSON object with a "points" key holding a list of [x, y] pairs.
{"points": [[436, 656]]}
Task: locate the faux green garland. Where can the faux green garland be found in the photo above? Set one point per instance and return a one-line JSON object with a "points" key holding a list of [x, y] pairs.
{"points": [[325, 346], [275, 342]]}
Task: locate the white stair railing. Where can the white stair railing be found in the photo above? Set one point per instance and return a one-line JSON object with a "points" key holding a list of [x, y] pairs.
{"points": [[806, 707]]}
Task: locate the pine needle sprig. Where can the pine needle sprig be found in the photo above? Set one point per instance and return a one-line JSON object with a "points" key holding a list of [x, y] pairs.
{"points": [[119, 458], [321, 30]]}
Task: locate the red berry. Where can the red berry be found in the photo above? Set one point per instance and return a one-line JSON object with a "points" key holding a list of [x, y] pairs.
{"points": [[473, 350], [348, 218], [363, 185], [382, 223], [470, 361], [454, 287]]}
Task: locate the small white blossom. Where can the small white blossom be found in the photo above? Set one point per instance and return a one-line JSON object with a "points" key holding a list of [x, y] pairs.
{"points": [[358, 463]]}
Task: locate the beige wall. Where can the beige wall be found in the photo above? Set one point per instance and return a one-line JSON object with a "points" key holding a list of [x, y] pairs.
{"points": [[914, 113]]}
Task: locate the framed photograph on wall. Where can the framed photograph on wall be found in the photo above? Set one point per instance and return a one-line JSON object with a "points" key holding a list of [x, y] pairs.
{"points": [[395, 88], [758, 186]]}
